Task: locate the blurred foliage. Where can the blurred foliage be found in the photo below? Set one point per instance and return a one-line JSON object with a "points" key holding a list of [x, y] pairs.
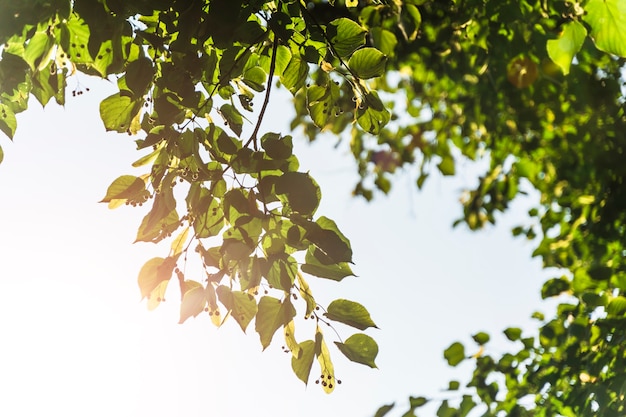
{"points": [[534, 87]]}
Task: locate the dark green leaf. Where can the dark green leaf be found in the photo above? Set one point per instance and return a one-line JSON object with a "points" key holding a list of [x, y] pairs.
{"points": [[554, 287], [350, 313], [302, 193], [139, 75]]}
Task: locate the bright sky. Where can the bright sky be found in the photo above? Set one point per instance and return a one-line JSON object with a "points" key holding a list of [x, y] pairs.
{"points": [[76, 341]]}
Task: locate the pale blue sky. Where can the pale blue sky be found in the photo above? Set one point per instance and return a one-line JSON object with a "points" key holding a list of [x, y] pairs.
{"points": [[76, 341]]}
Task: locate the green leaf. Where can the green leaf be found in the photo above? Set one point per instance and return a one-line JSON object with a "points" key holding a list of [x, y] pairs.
{"points": [[117, 111], [371, 113], [382, 411], [282, 272], [454, 385], [8, 122], [350, 313], [481, 338], [360, 348], [446, 166], [607, 19], [126, 187], [1, 155], [139, 75], [276, 146], [302, 364], [513, 333], [242, 305], [569, 42], [367, 63], [321, 102], [415, 402], [554, 287], [40, 45], [49, 83], [302, 193], [617, 306], [334, 271], [255, 78], [324, 234], [161, 220], [233, 118], [272, 314], [384, 40], [194, 300], [454, 354], [295, 74], [345, 35]]}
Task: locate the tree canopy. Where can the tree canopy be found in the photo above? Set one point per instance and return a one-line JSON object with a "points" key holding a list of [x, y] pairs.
{"points": [[534, 87]]}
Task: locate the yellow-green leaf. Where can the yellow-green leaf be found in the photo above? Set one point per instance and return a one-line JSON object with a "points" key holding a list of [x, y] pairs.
{"points": [[290, 339], [124, 187], [327, 377], [302, 364], [360, 348], [367, 63], [194, 300], [569, 42], [607, 19]]}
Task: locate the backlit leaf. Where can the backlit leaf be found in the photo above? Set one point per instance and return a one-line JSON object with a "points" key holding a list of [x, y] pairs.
{"points": [[302, 364], [617, 306], [607, 19], [117, 112], [305, 292], [335, 271], [360, 348], [350, 313], [290, 339], [569, 42], [241, 305], [272, 314], [233, 118], [152, 273], [327, 377], [345, 35], [295, 74], [124, 187], [8, 122], [194, 300], [367, 63]]}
